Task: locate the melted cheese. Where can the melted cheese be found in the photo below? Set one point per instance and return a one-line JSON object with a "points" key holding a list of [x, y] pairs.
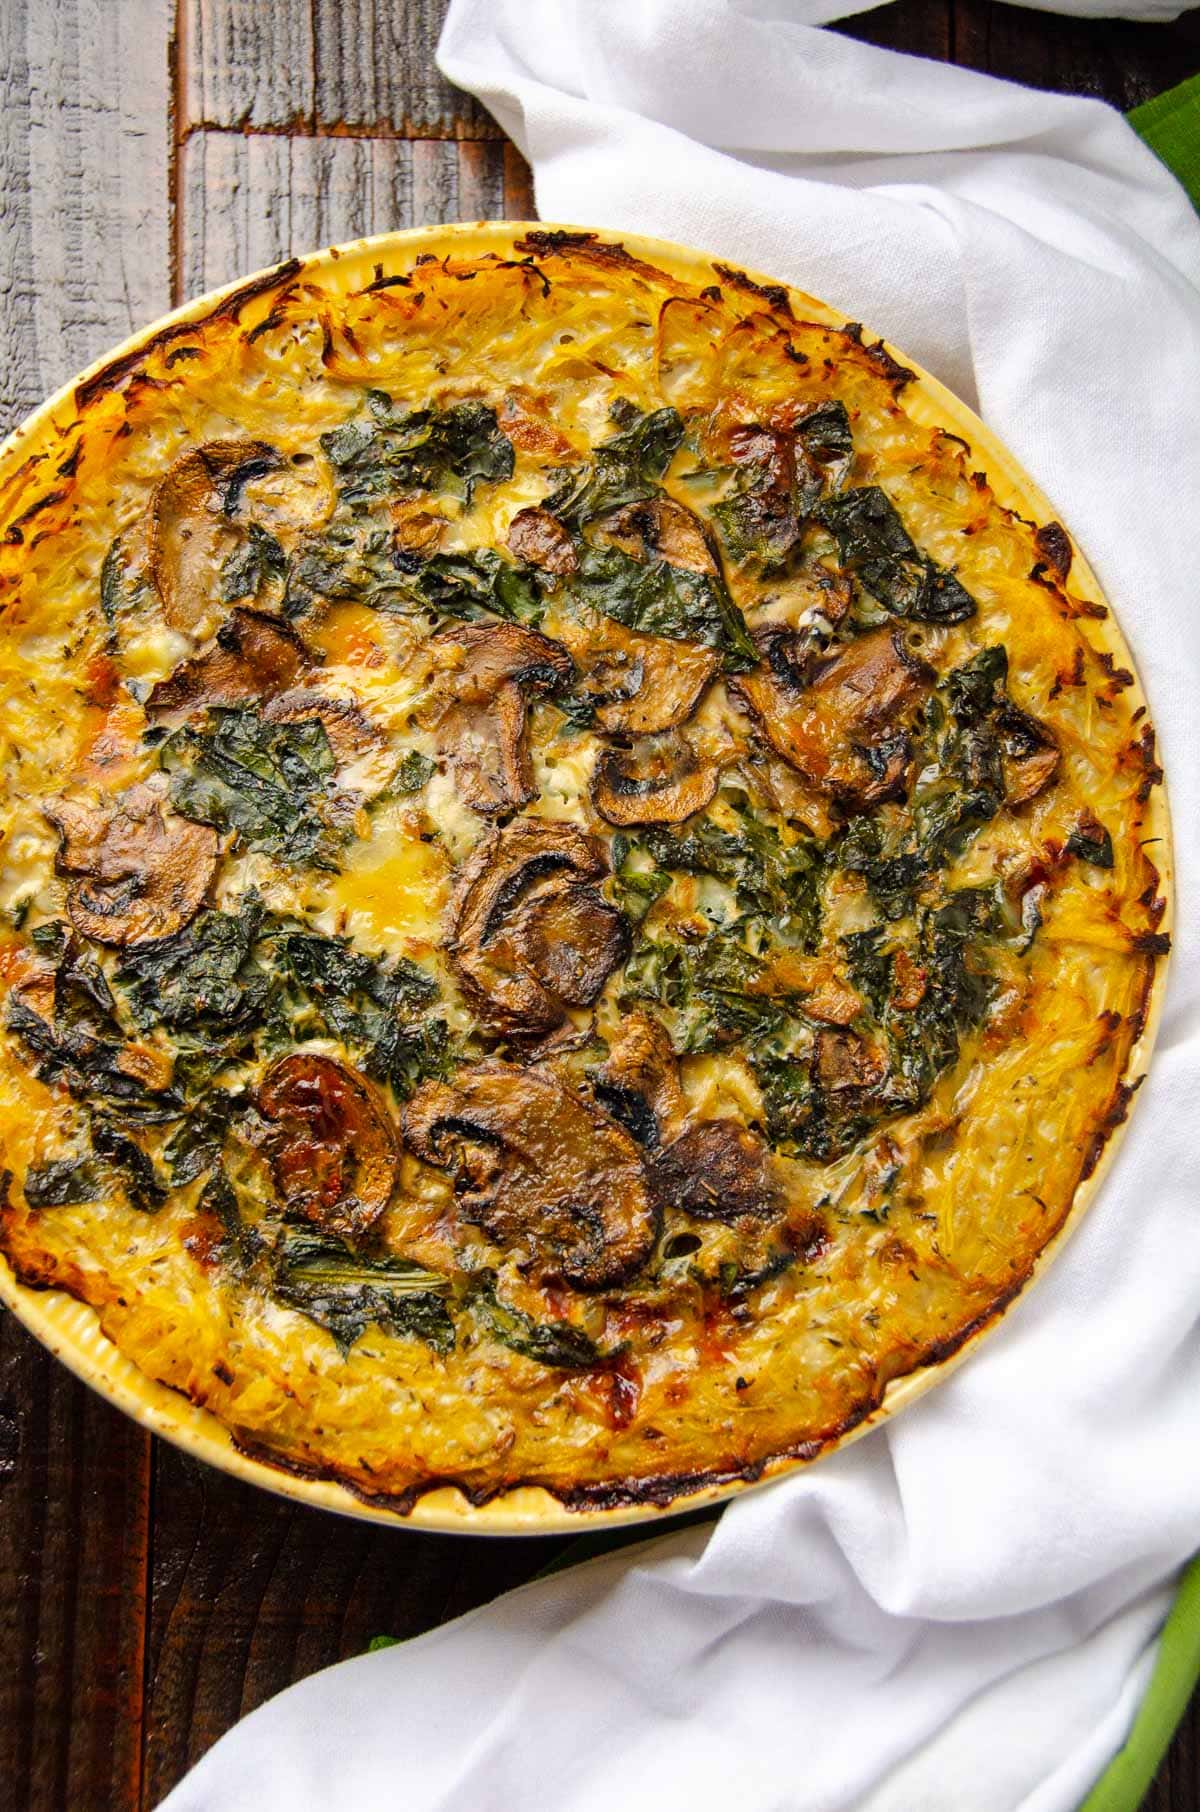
{"points": [[926, 1228], [392, 890]]}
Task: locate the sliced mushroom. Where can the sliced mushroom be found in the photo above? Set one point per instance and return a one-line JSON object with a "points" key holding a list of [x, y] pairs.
{"points": [[660, 529], [477, 705], [719, 1171], [190, 529], [543, 1172], [332, 1143], [539, 539], [531, 933], [255, 655], [416, 529], [638, 1084], [639, 684], [365, 759], [844, 1061], [1030, 757], [653, 783], [525, 417], [768, 517], [572, 940], [137, 872], [837, 718]]}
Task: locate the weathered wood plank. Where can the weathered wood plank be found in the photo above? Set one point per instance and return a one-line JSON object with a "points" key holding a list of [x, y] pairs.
{"points": [[251, 1593], [83, 259], [247, 65], [83, 189], [919, 27], [375, 71], [74, 1501], [250, 199], [1114, 60], [335, 67]]}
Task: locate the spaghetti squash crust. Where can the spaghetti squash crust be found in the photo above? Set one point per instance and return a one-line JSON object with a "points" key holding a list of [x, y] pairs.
{"points": [[582, 875]]}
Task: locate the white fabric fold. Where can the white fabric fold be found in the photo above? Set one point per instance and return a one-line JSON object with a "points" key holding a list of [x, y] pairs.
{"points": [[958, 1613]]}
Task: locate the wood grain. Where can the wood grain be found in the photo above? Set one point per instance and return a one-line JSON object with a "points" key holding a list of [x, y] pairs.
{"points": [[1114, 61], [83, 194], [75, 1504], [83, 260], [337, 67], [248, 200], [252, 1593]]}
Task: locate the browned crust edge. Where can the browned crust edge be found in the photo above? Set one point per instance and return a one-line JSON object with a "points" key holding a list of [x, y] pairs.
{"points": [[110, 376], [661, 1491]]}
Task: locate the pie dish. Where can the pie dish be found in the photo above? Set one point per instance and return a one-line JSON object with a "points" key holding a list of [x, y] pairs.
{"points": [[584, 878]]}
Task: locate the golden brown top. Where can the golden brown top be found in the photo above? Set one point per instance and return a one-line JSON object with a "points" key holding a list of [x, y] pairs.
{"points": [[575, 886]]}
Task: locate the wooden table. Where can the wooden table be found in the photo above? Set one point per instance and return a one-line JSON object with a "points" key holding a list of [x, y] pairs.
{"points": [[149, 151]]}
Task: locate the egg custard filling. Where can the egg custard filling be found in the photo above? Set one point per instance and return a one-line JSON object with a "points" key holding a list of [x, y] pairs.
{"points": [[576, 893]]}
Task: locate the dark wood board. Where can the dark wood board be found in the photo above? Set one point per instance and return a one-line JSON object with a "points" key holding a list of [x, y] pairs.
{"points": [[147, 151]]}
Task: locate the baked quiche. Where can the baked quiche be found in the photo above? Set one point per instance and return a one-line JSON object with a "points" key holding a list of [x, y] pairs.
{"points": [[579, 894]]}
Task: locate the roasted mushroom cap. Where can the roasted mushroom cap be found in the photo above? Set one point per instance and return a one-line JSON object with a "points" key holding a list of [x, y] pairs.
{"points": [[719, 1171], [364, 757], [1030, 757], [190, 529], [543, 1172], [477, 706], [571, 939], [836, 718], [137, 872], [768, 520], [653, 783], [639, 684], [845, 1062], [332, 1144], [638, 1083], [531, 933], [539, 539], [255, 655], [660, 529]]}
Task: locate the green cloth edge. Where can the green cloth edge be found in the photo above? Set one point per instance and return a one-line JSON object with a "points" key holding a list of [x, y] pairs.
{"points": [[1124, 1783], [1170, 125]]}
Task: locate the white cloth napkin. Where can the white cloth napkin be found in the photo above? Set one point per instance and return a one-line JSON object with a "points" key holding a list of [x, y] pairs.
{"points": [[958, 1614]]}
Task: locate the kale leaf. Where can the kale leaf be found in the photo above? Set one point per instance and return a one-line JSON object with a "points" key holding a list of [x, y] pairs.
{"points": [[83, 1044], [709, 985], [63, 1182], [379, 1010], [249, 567], [1091, 842], [781, 484], [920, 1031], [874, 543], [476, 584], [267, 781], [344, 1292], [413, 772], [350, 562], [204, 984], [557, 1344], [141, 1182], [66, 1181], [967, 729], [659, 599], [635, 890], [625, 469], [777, 884], [432, 449]]}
